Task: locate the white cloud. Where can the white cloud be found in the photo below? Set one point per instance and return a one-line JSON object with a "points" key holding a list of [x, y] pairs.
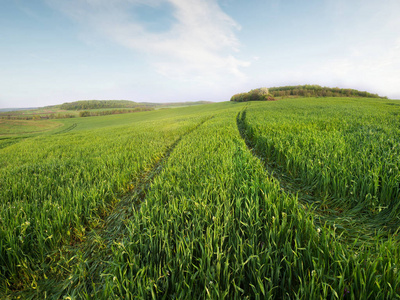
{"points": [[362, 52], [200, 43]]}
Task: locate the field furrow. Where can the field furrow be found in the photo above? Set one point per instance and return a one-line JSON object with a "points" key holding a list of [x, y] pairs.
{"points": [[59, 187], [354, 224], [85, 260]]}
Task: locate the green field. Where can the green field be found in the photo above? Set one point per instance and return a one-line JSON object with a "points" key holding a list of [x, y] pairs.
{"points": [[83, 109], [17, 127], [289, 199]]}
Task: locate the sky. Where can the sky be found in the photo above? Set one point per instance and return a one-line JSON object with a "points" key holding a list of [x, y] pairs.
{"points": [[56, 51]]}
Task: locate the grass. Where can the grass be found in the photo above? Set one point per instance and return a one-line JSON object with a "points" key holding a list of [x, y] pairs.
{"points": [[352, 149], [55, 186], [56, 112], [229, 200], [17, 127]]}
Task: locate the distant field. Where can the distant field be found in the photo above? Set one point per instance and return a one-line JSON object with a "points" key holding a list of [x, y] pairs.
{"points": [[61, 111], [53, 113], [292, 199], [13, 127], [30, 112]]}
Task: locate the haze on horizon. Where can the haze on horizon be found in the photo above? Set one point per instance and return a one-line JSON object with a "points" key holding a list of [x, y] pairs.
{"points": [[56, 51]]}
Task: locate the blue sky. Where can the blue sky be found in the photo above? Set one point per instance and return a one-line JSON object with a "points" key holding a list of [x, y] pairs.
{"points": [[55, 51]]}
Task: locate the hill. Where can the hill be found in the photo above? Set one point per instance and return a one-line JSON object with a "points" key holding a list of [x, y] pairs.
{"points": [[15, 109], [97, 104], [86, 108], [319, 91], [265, 94]]}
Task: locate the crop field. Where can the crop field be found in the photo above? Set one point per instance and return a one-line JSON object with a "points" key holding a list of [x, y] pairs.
{"points": [[15, 127], [290, 199], [81, 109]]}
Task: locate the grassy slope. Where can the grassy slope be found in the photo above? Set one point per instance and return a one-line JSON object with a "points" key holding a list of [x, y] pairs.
{"points": [[12, 131], [212, 222], [352, 146], [14, 127], [56, 184], [59, 110]]}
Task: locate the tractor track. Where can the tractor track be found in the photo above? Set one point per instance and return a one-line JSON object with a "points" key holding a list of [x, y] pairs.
{"points": [[69, 128], [350, 224], [88, 259]]}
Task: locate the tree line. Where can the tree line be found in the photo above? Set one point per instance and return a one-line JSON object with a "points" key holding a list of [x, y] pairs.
{"points": [[318, 91], [86, 113], [97, 104], [261, 94]]}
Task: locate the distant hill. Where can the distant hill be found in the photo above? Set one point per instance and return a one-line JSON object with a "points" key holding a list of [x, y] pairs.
{"points": [[16, 109], [318, 91], [99, 104], [176, 104], [265, 94], [96, 104]]}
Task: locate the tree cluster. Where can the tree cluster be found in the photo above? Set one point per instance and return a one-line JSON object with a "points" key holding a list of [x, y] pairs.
{"points": [[318, 91], [98, 104], [86, 113], [261, 94]]}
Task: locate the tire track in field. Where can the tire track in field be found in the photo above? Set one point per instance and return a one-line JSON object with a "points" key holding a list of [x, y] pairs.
{"points": [[89, 258], [8, 141], [351, 222], [69, 128]]}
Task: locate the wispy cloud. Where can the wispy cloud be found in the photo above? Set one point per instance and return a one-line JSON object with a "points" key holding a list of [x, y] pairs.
{"points": [[200, 42], [370, 42]]}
